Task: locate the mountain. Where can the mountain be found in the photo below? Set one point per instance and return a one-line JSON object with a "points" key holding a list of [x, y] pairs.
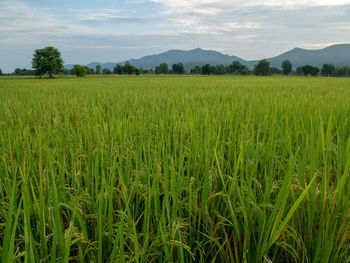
{"points": [[339, 55], [191, 58]]}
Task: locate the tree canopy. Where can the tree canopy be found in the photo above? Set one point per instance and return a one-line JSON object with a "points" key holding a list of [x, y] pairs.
{"points": [[207, 69], [262, 68], [23, 72], [163, 68], [79, 71], [309, 70], [126, 69], [106, 71], [178, 68], [286, 67], [98, 69], [118, 69], [196, 70], [238, 69], [47, 61], [328, 70]]}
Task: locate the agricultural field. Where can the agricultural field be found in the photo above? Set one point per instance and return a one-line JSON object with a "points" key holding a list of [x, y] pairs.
{"points": [[175, 169]]}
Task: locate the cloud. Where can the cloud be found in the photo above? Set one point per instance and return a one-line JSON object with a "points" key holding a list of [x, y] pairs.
{"points": [[184, 4], [249, 29], [20, 24], [251, 13], [106, 15]]}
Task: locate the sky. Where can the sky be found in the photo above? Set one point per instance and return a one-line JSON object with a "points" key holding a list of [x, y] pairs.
{"points": [[116, 30]]}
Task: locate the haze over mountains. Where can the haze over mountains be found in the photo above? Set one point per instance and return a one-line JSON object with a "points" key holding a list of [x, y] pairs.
{"points": [[338, 55]]}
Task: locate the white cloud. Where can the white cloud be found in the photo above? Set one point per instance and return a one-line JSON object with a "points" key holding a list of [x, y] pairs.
{"points": [[251, 29], [283, 3], [20, 24]]}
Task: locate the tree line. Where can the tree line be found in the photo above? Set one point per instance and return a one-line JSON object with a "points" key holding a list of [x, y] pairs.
{"points": [[48, 61], [236, 68]]}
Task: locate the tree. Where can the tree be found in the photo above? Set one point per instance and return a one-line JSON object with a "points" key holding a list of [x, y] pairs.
{"points": [[310, 70], [196, 70], [244, 71], [146, 71], [0, 72], [298, 71], [237, 68], [90, 71], [286, 67], [341, 72], [262, 68], [207, 69], [118, 69], [106, 71], [315, 71], [178, 68], [163, 68], [306, 70], [128, 68], [98, 69], [47, 60], [275, 70], [328, 69], [79, 71], [23, 72], [220, 69]]}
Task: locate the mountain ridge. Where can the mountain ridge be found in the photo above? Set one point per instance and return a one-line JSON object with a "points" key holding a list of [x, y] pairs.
{"points": [[338, 54]]}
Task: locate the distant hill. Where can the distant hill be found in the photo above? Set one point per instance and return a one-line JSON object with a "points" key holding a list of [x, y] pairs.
{"points": [[191, 58], [339, 55]]}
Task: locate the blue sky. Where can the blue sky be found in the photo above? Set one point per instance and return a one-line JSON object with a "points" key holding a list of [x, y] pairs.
{"points": [[113, 31]]}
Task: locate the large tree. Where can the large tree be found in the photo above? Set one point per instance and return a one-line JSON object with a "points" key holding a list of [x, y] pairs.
{"points": [[47, 61], [286, 67], [0, 72], [262, 68]]}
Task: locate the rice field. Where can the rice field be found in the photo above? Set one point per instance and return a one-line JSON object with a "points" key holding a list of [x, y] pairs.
{"points": [[175, 169]]}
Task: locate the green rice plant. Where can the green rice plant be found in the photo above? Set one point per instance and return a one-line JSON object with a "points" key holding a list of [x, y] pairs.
{"points": [[175, 169]]}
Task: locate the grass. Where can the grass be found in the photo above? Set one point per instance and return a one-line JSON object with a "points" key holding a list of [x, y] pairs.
{"points": [[175, 169]]}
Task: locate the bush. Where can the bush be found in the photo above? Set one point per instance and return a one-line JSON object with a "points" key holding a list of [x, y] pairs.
{"points": [[79, 71]]}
